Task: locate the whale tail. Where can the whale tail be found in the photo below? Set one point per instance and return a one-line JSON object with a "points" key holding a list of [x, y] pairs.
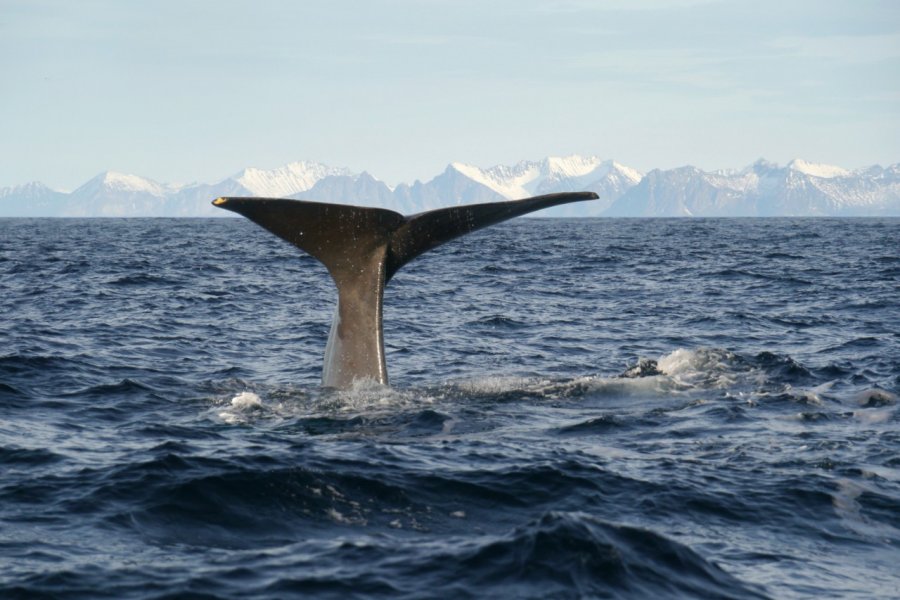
{"points": [[362, 248]]}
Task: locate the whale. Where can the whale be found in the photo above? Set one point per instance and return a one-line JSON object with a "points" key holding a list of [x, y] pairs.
{"points": [[362, 248]]}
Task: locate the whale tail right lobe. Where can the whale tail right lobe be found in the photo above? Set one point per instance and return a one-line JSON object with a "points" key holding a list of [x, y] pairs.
{"points": [[424, 231], [362, 248]]}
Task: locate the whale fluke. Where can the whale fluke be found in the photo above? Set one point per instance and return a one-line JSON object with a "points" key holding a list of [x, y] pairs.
{"points": [[362, 248]]}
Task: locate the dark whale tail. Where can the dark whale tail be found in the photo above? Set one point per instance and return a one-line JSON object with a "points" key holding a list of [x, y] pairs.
{"points": [[362, 248]]}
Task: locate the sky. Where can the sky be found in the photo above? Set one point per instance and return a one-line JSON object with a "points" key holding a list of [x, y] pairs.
{"points": [[182, 91]]}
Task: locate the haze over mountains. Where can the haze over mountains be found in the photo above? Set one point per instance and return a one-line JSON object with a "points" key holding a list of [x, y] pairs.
{"points": [[762, 189]]}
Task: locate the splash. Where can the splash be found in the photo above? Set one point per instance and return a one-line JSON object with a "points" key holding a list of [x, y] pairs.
{"points": [[364, 398], [243, 407], [703, 367]]}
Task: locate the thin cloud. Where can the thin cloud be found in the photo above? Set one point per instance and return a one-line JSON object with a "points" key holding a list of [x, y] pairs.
{"points": [[847, 49]]}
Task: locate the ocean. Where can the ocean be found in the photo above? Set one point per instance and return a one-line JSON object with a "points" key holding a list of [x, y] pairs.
{"points": [[595, 408]]}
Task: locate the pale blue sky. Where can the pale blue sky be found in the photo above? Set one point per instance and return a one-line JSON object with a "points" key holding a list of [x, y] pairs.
{"points": [[194, 91]]}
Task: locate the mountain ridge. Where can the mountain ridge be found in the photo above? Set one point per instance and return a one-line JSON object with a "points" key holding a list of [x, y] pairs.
{"points": [[800, 188]]}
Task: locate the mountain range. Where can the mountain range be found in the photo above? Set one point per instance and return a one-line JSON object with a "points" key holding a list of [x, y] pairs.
{"points": [[762, 189]]}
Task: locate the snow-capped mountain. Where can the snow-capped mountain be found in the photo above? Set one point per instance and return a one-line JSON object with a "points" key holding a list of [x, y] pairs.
{"points": [[553, 174], [363, 188], [465, 184], [800, 188], [817, 170], [30, 200], [557, 174], [763, 189], [284, 181], [112, 194], [120, 182]]}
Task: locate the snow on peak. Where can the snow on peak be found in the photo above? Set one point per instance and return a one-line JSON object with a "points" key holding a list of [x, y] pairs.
{"points": [[283, 181], [121, 182], [571, 166], [817, 169], [528, 178], [30, 188], [633, 174]]}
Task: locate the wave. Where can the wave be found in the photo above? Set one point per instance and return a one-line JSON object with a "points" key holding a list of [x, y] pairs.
{"points": [[679, 371], [556, 555], [415, 523], [9, 391], [740, 274], [123, 387], [559, 554], [566, 553], [27, 457], [680, 374], [497, 321], [144, 279]]}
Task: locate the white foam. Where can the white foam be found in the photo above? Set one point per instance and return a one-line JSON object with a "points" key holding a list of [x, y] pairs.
{"points": [[812, 395], [366, 397], [242, 406], [681, 371], [337, 517], [550, 389], [497, 384], [875, 397], [246, 401], [546, 388], [874, 416], [627, 386], [703, 367]]}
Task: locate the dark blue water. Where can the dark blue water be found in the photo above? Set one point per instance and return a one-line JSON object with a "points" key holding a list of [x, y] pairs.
{"points": [[162, 433]]}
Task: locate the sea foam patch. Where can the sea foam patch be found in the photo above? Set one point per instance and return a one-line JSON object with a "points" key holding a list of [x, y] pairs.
{"points": [[705, 367], [366, 396], [242, 407]]}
